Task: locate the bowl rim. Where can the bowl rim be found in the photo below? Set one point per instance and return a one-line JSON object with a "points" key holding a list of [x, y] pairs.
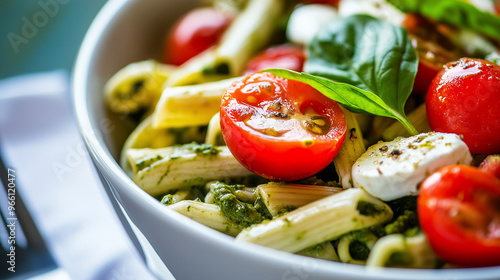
{"points": [[104, 161]]}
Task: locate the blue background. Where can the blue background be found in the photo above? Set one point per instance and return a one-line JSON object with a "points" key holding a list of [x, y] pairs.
{"points": [[57, 30]]}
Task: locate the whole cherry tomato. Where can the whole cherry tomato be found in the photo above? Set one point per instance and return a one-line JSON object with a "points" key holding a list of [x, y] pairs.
{"points": [[464, 98], [283, 56], [281, 129], [195, 32], [458, 209]]}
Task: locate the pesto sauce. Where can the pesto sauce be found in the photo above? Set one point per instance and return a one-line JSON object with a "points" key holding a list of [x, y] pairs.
{"points": [[238, 212], [366, 208], [199, 149], [358, 250], [146, 162], [404, 224], [399, 259]]}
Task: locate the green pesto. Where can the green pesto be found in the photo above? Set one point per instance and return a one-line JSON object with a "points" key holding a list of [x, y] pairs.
{"points": [[313, 180], [399, 259], [285, 209], [221, 68], [400, 205], [403, 224], [358, 250], [168, 199], [193, 147], [146, 162], [238, 212], [164, 174], [195, 193], [366, 208], [261, 207]]}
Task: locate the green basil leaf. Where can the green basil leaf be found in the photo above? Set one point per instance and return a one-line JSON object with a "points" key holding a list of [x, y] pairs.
{"points": [[453, 12], [352, 98], [370, 54]]}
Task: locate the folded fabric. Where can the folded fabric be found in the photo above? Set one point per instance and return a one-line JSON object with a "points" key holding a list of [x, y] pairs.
{"points": [[40, 141]]}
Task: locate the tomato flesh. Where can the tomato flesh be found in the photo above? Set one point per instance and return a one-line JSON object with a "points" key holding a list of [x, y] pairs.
{"points": [[459, 210], [281, 129], [464, 98], [195, 32]]}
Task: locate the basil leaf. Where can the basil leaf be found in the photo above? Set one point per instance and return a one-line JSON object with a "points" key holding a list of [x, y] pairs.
{"points": [[371, 61], [368, 53], [453, 12], [352, 98]]}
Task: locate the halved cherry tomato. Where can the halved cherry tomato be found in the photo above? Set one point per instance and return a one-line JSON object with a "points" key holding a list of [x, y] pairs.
{"points": [[281, 129], [195, 32], [459, 211], [283, 56], [464, 98]]}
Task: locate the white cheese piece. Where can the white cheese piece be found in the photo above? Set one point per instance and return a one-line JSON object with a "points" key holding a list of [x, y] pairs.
{"points": [[306, 20], [484, 5], [390, 170], [376, 8]]}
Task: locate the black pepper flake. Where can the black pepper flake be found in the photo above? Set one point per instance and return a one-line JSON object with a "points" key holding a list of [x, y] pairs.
{"points": [[395, 154], [420, 139], [383, 148], [353, 134]]}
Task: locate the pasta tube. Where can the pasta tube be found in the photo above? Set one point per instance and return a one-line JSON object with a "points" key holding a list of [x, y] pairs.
{"points": [[189, 105], [352, 148], [214, 133], [207, 214], [396, 250], [249, 32], [158, 171], [355, 247], [323, 251], [281, 198], [136, 87], [320, 221]]}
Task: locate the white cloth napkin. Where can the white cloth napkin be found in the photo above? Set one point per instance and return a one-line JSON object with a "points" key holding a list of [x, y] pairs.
{"points": [[40, 141]]}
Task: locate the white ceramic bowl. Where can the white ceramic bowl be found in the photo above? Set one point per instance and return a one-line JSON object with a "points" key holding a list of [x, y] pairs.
{"points": [[130, 31]]}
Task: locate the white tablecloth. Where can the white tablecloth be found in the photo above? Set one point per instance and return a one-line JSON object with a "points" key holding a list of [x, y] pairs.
{"points": [[40, 140]]}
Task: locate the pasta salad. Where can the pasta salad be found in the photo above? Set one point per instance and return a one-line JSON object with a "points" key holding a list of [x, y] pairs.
{"points": [[363, 132]]}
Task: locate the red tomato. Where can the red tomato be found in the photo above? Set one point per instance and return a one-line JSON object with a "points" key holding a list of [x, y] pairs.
{"points": [[281, 129], [464, 98], [497, 7], [458, 209], [491, 164], [284, 56], [195, 32], [432, 54]]}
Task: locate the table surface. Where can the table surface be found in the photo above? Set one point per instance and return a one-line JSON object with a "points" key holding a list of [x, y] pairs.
{"points": [[42, 35]]}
